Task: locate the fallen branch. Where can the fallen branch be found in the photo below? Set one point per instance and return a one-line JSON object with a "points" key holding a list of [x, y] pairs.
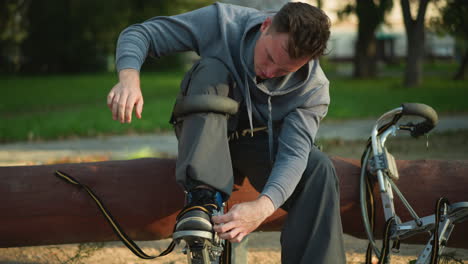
{"points": [[37, 208]]}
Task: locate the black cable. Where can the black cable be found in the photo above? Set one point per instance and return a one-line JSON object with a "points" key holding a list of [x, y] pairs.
{"points": [[370, 208], [384, 253], [128, 242], [227, 252], [371, 215]]}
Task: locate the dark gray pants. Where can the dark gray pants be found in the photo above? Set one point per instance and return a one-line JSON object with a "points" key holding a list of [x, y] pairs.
{"points": [[312, 232]]}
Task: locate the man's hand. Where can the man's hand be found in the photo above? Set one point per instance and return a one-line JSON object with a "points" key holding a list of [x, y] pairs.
{"points": [[125, 95], [243, 218]]}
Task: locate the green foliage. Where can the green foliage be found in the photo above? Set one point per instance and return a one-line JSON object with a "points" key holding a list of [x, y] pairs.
{"points": [[13, 31], [346, 11], [12, 26], [78, 35], [453, 19], [366, 10]]}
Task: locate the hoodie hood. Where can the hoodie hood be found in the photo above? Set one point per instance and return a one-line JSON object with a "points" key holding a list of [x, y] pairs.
{"points": [[270, 87], [281, 85]]}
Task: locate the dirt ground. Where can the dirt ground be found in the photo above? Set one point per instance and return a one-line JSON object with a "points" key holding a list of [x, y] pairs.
{"points": [[263, 246]]}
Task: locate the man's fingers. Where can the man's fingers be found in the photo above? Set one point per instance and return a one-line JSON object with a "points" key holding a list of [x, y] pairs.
{"points": [[225, 227], [230, 235], [110, 98], [129, 108], [121, 108], [238, 238], [139, 108], [115, 107], [221, 219]]}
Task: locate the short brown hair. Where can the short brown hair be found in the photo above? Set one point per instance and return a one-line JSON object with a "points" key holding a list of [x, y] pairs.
{"points": [[308, 28]]}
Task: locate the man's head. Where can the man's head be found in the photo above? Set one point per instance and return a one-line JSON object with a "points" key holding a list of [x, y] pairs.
{"points": [[297, 33]]}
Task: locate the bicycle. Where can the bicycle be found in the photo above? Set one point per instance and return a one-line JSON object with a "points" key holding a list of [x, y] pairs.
{"points": [[378, 163]]}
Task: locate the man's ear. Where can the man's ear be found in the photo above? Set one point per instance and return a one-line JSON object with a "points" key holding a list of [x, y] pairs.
{"points": [[266, 24]]}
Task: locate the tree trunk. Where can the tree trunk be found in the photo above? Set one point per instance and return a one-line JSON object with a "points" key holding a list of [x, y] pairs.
{"points": [[414, 57], [38, 208], [365, 60], [461, 72], [365, 51], [415, 35], [319, 4]]}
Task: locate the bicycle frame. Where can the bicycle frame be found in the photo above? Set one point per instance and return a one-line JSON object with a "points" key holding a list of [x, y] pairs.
{"points": [[384, 166]]}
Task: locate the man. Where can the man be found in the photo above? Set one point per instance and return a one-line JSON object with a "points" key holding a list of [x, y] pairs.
{"points": [[267, 64]]}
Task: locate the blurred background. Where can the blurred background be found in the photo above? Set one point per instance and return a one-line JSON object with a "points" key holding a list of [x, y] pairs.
{"points": [[57, 67], [57, 61]]}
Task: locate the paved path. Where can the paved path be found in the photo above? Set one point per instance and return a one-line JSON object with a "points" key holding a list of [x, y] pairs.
{"points": [[124, 147], [360, 129]]}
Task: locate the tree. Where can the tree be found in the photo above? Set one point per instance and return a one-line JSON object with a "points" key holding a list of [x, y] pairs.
{"points": [[78, 35], [370, 14], [454, 20], [415, 35], [74, 35], [13, 31], [320, 4]]}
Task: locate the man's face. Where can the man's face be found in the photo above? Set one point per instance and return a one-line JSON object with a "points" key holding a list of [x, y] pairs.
{"points": [[271, 58]]}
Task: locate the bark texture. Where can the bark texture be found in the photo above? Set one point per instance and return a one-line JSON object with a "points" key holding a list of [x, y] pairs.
{"points": [[37, 208], [415, 35]]}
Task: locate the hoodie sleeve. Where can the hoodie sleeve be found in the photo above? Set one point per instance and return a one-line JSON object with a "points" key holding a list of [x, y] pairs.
{"points": [[294, 145], [160, 36]]}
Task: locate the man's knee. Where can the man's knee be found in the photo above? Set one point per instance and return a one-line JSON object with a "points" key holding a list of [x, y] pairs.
{"points": [[209, 76], [205, 89], [322, 167], [319, 176], [318, 158]]}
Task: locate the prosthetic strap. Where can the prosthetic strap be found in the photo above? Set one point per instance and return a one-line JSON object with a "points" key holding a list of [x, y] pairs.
{"points": [[129, 243], [204, 103], [197, 207]]}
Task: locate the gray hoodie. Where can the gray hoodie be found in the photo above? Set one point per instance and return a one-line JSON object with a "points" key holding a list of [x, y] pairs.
{"points": [[299, 100]]}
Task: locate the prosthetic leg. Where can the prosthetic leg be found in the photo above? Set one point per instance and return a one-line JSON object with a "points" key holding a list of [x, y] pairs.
{"points": [[201, 247], [200, 118]]}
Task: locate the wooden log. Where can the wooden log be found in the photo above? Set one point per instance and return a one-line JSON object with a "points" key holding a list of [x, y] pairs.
{"points": [[37, 208]]}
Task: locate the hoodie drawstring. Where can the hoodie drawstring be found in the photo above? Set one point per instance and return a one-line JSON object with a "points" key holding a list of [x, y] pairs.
{"points": [[248, 103], [270, 130]]}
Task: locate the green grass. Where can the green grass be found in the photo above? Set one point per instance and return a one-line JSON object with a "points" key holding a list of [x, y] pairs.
{"points": [[54, 107], [370, 98], [65, 106]]}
